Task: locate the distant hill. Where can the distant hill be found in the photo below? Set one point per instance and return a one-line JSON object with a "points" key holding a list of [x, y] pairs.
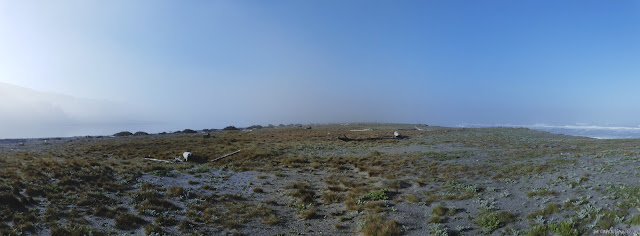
{"points": [[31, 113]]}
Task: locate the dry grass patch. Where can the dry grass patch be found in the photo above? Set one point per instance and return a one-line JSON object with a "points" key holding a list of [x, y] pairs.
{"points": [[303, 191], [412, 198], [375, 225], [332, 197], [271, 219], [175, 191], [309, 213]]}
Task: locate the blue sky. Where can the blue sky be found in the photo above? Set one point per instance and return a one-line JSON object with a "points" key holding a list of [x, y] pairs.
{"points": [[206, 64]]}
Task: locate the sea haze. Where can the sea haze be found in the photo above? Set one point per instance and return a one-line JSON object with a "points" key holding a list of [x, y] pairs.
{"points": [[592, 131], [600, 132]]}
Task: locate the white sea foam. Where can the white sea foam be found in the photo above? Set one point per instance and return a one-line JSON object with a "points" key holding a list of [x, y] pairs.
{"points": [[581, 129]]}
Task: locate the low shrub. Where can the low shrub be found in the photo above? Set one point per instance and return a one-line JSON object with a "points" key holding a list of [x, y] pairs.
{"points": [[230, 128], [374, 225], [123, 134], [129, 221]]}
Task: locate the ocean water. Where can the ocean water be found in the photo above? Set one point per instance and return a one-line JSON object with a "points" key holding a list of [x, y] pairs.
{"points": [[600, 132], [591, 131]]}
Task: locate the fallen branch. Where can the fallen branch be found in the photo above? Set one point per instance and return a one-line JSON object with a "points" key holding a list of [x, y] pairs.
{"points": [[360, 130], [153, 159], [346, 139], [419, 129], [230, 154]]}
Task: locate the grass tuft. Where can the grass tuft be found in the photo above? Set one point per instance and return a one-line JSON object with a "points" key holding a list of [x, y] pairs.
{"points": [[129, 221], [492, 220], [441, 210], [374, 225]]}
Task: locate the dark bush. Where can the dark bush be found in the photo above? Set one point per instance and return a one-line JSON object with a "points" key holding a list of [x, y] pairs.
{"points": [[230, 128], [140, 133], [123, 133], [10, 201], [129, 221], [153, 229], [189, 131]]}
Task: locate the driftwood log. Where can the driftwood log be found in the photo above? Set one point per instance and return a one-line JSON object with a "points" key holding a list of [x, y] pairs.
{"points": [[187, 156], [396, 135], [360, 130], [230, 154], [165, 161], [153, 159], [346, 139]]}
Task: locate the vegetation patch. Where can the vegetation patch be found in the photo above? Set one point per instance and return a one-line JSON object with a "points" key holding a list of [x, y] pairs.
{"points": [[302, 190], [492, 220], [129, 221], [541, 192], [441, 210], [375, 225], [375, 195]]}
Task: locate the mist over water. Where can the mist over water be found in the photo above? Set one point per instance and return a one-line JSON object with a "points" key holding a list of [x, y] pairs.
{"points": [[591, 131], [600, 132]]}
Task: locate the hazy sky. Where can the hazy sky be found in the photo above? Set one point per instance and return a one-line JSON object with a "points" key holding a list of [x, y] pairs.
{"points": [[208, 64]]}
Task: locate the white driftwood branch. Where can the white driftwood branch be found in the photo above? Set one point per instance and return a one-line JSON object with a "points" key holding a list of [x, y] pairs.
{"points": [[360, 130], [230, 154], [153, 159], [419, 129]]}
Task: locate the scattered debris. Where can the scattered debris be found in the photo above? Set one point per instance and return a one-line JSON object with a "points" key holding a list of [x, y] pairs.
{"points": [[346, 139], [186, 157], [165, 161], [230, 154], [360, 130]]}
